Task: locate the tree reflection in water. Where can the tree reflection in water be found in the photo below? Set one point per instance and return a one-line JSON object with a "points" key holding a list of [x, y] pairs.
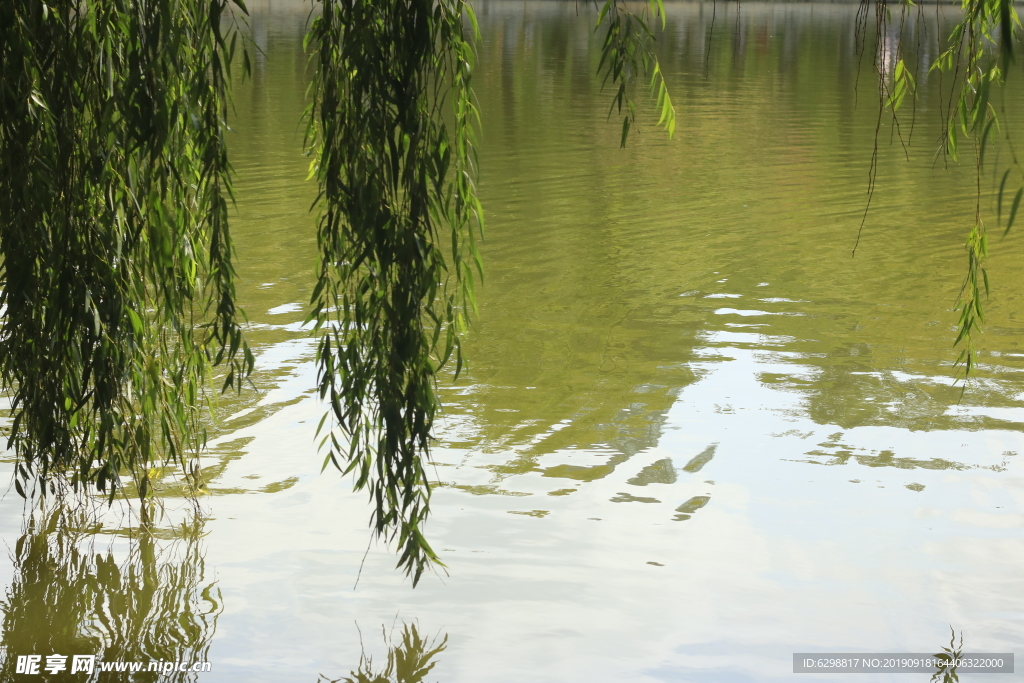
{"points": [[66, 598], [946, 671], [409, 660]]}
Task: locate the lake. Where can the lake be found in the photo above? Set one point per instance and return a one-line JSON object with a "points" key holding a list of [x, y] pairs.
{"points": [[696, 434]]}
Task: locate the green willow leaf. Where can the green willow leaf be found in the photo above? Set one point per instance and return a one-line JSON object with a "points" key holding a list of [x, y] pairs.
{"points": [[1013, 210], [999, 197]]}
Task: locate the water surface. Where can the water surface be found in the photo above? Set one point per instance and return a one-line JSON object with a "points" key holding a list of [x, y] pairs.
{"points": [[695, 435]]}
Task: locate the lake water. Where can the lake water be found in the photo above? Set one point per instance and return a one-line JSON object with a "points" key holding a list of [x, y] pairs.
{"points": [[695, 435]]}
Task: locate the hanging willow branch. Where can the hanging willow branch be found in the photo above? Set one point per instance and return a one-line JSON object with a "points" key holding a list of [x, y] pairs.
{"points": [[981, 48], [628, 51], [117, 277], [977, 55], [391, 131]]}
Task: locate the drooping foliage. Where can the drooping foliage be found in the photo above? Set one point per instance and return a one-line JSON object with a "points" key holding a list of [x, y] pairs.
{"points": [[391, 126], [627, 52], [975, 60], [117, 291]]}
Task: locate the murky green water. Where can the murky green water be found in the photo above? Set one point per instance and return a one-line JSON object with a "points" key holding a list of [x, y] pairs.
{"points": [[695, 435]]}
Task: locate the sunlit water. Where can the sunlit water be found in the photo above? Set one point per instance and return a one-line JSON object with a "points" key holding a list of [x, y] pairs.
{"points": [[695, 435]]}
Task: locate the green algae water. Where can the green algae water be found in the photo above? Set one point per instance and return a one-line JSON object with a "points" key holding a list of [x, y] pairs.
{"points": [[695, 436]]}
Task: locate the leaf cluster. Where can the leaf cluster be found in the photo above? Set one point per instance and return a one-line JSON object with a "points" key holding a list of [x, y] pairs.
{"points": [[628, 51], [391, 134], [117, 291], [981, 48], [978, 55]]}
